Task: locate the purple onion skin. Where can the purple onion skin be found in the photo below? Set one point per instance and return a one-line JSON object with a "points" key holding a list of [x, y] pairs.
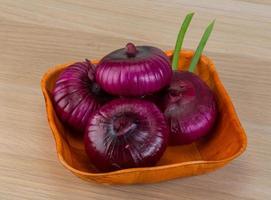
{"points": [[126, 133], [76, 96], [189, 107], [134, 71]]}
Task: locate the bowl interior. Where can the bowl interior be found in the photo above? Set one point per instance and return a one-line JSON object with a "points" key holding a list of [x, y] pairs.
{"points": [[225, 141]]}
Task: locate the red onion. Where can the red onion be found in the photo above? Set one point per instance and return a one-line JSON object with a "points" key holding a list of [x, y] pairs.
{"points": [[189, 107], [126, 133], [134, 71], [76, 96]]}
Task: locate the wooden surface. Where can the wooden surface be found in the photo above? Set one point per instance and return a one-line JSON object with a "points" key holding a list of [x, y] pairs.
{"points": [[35, 35]]}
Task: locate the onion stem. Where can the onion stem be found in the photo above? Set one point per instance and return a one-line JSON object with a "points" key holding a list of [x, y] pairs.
{"points": [[201, 46], [180, 39], [131, 49]]}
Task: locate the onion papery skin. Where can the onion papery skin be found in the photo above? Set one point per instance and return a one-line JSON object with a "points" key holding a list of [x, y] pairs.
{"points": [[126, 133], [142, 73], [189, 107], [76, 96]]}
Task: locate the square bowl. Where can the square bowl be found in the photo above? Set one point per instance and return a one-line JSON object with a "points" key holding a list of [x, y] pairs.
{"points": [[226, 141]]}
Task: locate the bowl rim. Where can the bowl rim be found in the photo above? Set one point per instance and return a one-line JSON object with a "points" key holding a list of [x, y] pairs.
{"points": [[59, 145]]}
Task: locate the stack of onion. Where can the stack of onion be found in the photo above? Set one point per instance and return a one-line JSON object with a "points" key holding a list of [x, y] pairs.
{"points": [[133, 132], [125, 132]]}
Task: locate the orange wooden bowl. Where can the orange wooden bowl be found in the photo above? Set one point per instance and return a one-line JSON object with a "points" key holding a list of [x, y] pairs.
{"points": [[226, 142]]}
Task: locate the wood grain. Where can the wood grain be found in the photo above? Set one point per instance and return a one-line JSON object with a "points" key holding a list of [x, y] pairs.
{"points": [[35, 35]]}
